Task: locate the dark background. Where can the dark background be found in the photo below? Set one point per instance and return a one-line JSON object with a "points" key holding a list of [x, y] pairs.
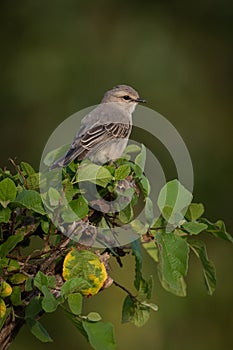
{"points": [[58, 57]]}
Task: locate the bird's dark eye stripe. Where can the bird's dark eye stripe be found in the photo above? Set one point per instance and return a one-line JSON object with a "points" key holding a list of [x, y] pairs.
{"points": [[126, 97]]}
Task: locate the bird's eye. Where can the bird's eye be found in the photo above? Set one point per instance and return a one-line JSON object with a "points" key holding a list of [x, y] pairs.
{"points": [[126, 97]]}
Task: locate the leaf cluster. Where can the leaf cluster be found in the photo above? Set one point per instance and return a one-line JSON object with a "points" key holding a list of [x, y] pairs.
{"points": [[34, 207]]}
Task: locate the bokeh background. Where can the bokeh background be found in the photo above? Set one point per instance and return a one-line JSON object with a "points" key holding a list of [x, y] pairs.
{"points": [[58, 57]]}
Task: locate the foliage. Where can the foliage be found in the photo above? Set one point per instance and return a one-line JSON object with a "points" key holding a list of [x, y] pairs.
{"points": [[65, 270]]}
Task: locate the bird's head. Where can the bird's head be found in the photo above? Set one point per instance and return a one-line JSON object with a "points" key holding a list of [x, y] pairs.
{"points": [[125, 95]]}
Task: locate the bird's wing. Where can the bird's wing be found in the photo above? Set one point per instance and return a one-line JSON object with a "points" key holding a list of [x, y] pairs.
{"points": [[93, 137]]}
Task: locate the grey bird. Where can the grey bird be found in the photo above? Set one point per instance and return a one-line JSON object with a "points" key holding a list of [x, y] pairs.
{"points": [[104, 132]]}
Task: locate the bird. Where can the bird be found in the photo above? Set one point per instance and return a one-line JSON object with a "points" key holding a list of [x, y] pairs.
{"points": [[104, 132]]}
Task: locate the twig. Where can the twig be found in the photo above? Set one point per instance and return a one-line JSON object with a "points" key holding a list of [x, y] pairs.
{"points": [[20, 172], [124, 289]]}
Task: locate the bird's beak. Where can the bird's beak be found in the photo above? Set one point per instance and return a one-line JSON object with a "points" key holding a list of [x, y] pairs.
{"points": [[140, 100]]}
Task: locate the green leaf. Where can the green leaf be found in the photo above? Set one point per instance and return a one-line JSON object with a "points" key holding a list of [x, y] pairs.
{"points": [[75, 284], [41, 280], [128, 309], [10, 244], [49, 303], [142, 315], [80, 207], [27, 168], [13, 265], [194, 228], [29, 284], [173, 262], [145, 289], [217, 229], [139, 227], [195, 211], [33, 308], [135, 312], [68, 215], [16, 296], [149, 212], [31, 199], [145, 185], [38, 330], [126, 215], [94, 317], [75, 210], [75, 303], [140, 160], [5, 214], [44, 225], [136, 250], [55, 154], [152, 306], [100, 335], [51, 281], [209, 273], [94, 173], [7, 192], [54, 197], [70, 191], [73, 167], [173, 200], [111, 168], [33, 181], [136, 169], [50, 179], [4, 262], [132, 149], [157, 223], [122, 172], [152, 250]]}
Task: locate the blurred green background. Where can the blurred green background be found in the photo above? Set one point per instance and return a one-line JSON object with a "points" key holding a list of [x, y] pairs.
{"points": [[58, 57]]}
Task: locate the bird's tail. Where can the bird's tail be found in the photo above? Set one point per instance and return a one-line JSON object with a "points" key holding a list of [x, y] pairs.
{"points": [[65, 160], [61, 162]]}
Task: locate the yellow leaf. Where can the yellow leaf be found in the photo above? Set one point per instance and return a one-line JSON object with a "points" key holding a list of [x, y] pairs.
{"points": [[86, 265], [5, 289], [18, 278], [2, 308]]}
